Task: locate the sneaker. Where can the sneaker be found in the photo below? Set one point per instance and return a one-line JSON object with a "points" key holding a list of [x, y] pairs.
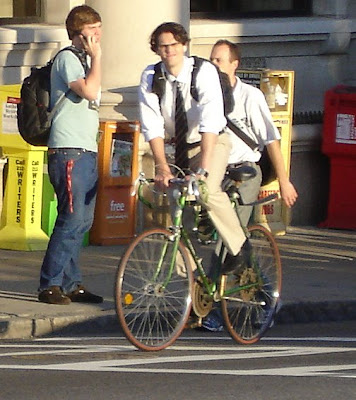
{"points": [[234, 264], [53, 295], [82, 295], [212, 324]]}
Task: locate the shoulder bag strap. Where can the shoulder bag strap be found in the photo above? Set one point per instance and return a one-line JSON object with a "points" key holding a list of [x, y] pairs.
{"points": [[242, 135]]}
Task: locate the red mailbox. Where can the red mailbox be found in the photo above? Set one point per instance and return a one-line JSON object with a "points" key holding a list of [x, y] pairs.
{"points": [[339, 144], [115, 211]]}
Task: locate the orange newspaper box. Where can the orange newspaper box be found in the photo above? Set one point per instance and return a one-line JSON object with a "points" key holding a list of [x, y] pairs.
{"points": [[115, 211]]}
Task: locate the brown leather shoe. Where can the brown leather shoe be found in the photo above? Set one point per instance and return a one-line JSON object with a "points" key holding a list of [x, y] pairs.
{"points": [[82, 295], [53, 295]]}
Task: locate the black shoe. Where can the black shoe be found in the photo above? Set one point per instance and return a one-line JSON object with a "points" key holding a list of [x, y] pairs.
{"points": [[81, 295], [53, 295], [235, 264]]}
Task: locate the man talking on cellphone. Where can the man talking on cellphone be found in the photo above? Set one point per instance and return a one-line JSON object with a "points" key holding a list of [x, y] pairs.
{"points": [[72, 157]]}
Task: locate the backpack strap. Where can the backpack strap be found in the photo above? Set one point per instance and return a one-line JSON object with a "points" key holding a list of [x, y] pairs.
{"points": [[56, 106], [228, 100], [158, 82], [198, 62], [82, 56], [83, 60], [226, 88]]}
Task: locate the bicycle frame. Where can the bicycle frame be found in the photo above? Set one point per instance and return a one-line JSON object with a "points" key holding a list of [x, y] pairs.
{"points": [[157, 295], [180, 233]]}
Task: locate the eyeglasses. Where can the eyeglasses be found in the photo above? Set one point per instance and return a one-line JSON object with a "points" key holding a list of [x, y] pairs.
{"points": [[168, 45]]}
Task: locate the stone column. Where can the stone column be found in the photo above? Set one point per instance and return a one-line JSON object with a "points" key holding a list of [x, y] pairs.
{"points": [[127, 26]]}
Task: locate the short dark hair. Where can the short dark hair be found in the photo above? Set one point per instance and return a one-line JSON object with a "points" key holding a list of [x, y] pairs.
{"points": [[235, 52], [177, 30], [78, 17]]}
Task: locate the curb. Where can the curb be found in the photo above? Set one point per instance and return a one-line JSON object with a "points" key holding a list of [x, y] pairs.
{"points": [[29, 328], [323, 311]]}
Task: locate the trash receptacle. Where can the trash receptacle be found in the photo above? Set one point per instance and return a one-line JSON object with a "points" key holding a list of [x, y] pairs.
{"points": [[339, 144], [20, 227], [115, 210]]}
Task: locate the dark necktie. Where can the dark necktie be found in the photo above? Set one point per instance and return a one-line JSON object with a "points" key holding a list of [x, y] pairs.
{"points": [[181, 129]]}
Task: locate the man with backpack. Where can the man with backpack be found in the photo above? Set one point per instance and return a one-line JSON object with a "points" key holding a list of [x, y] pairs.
{"points": [[72, 157], [195, 127], [251, 112]]}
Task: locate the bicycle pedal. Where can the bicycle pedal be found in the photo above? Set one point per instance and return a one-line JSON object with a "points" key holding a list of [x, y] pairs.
{"points": [[194, 322]]}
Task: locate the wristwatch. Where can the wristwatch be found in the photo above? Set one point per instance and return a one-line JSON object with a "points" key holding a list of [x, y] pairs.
{"points": [[203, 172]]}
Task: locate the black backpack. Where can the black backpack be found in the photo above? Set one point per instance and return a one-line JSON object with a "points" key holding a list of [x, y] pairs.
{"points": [[33, 114], [158, 84]]}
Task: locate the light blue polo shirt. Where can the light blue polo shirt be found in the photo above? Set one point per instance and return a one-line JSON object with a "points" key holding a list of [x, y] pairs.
{"points": [[76, 122]]}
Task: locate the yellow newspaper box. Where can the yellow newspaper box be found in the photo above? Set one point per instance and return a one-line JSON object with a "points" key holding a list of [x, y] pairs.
{"points": [[115, 211], [20, 226], [276, 216]]}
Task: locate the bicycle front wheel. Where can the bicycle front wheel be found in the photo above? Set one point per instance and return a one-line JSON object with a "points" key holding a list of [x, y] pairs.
{"points": [[251, 299], [153, 290]]}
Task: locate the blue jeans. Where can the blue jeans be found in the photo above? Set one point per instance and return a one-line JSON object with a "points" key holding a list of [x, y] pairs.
{"points": [[76, 203]]}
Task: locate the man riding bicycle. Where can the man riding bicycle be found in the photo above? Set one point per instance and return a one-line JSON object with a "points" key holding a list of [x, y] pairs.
{"points": [[206, 146]]}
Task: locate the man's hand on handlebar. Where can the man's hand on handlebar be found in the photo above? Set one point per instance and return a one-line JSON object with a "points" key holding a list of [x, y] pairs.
{"points": [[162, 179]]}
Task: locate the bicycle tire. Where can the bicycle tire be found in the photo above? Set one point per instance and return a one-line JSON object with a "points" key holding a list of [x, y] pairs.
{"points": [[246, 319], [153, 316]]}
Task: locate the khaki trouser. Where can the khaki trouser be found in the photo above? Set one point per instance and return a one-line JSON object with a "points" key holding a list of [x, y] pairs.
{"points": [[219, 206]]}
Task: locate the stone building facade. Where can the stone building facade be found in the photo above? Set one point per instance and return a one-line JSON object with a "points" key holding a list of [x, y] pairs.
{"points": [[319, 47]]}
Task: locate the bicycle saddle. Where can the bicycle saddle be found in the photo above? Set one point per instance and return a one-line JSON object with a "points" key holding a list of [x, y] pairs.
{"points": [[241, 174]]}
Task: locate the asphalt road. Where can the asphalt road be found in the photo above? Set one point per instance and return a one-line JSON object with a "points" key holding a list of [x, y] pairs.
{"points": [[303, 361]]}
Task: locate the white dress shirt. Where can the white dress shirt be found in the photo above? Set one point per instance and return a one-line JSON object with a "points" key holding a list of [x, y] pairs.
{"points": [[207, 115], [251, 111]]}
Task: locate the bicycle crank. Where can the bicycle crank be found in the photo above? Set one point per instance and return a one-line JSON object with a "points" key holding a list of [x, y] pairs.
{"points": [[202, 301]]}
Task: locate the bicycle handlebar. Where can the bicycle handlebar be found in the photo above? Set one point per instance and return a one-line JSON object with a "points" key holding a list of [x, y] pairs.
{"points": [[192, 187], [190, 184]]}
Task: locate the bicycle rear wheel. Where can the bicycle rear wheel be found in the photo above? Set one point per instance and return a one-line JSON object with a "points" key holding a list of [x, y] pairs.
{"points": [[248, 313], [153, 299]]}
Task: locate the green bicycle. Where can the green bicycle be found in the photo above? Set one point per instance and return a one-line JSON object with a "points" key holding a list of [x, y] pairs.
{"points": [[155, 288]]}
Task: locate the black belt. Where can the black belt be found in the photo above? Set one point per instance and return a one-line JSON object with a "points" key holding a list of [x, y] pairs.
{"points": [[246, 163], [64, 149]]}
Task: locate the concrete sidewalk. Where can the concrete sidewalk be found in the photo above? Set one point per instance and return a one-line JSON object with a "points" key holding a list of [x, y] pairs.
{"points": [[319, 284]]}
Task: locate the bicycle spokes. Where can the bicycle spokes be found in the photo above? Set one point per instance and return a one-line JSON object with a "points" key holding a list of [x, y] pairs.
{"points": [[153, 290], [250, 298]]}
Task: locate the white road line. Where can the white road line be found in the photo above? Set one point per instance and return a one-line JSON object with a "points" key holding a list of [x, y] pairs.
{"points": [[324, 251], [115, 366], [67, 351], [311, 338], [315, 252], [147, 365], [285, 371], [194, 338]]}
